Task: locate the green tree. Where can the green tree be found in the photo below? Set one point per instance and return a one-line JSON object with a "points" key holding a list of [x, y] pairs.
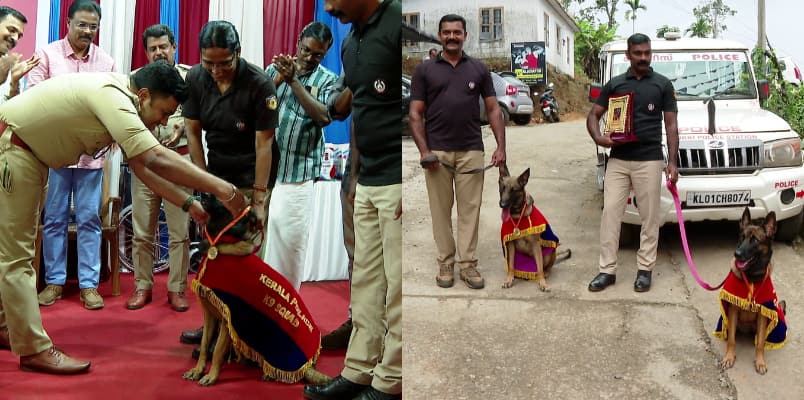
{"points": [[631, 14], [713, 13], [664, 29], [588, 41], [700, 28]]}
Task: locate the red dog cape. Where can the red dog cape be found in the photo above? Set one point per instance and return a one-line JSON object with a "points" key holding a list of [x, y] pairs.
{"points": [[755, 298], [267, 319], [534, 224]]}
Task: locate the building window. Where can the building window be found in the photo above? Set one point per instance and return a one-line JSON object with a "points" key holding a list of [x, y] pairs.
{"points": [[560, 45], [546, 31], [569, 44], [491, 24], [411, 19]]}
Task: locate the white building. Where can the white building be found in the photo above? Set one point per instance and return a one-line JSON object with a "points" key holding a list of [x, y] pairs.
{"points": [[492, 25]]}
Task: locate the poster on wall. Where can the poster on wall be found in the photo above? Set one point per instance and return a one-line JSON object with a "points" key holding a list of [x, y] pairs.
{"points": [[528, 62]]}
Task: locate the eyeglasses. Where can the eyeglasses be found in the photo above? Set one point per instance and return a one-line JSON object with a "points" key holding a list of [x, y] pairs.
{"points": [[85, 26], [316, 55], [224, 65]]}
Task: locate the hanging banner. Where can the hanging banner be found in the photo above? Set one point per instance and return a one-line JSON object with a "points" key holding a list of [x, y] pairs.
{"points": [[528, 62]]}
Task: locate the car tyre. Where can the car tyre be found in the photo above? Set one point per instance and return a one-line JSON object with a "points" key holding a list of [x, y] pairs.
{"points": [[505, 114], [789, 228], [521, 119]]}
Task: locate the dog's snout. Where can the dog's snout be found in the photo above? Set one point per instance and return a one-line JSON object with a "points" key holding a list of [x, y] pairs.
{"points": [[504, 204]]}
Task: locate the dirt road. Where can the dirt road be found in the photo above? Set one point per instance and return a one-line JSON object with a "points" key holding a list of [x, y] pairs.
{"points": [[520, 343]]}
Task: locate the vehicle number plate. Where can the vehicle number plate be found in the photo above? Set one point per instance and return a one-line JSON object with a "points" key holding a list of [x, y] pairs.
{"points": [[729, 198], [546, 109]]}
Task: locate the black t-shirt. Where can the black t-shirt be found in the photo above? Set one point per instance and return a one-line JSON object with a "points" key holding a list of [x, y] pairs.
{"points": [[231, 119], [451, 97], [653, 95], [372, 65]]}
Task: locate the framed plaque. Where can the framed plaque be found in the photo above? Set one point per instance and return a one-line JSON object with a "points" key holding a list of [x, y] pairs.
{"points": [[620, 121]]}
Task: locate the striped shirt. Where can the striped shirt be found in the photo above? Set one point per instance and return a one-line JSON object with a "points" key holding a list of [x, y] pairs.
{"points": [[300, 140]]}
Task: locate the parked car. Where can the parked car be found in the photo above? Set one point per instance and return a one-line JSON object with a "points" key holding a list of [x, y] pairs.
{"points": [[790, 70], [514, 99], [405, 105]]}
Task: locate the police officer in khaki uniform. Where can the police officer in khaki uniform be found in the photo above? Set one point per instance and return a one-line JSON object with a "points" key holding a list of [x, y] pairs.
{"points": [[92, 112], [160, 46]]}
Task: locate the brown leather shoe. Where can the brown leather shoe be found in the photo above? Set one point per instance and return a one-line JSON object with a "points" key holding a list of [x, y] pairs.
{"points": [[178, 301], [5, 342], [53, 361], [139, 299]]}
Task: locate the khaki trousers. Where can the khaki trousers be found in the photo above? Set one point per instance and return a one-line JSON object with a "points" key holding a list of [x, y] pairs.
{"points": [[145, 216], [22, 194], [444, 188], [374, 355], [645, 178]]}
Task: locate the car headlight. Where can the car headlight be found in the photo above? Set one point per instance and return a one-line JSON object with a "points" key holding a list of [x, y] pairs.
{"points": [[783, 153]]}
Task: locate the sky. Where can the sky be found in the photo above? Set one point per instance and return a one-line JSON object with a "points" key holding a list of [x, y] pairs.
{"points": [[782, 19]]}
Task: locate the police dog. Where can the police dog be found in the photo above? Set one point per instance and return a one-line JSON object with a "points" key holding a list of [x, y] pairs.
{"points": [[247, 229], [752, 266], [519, 203]]}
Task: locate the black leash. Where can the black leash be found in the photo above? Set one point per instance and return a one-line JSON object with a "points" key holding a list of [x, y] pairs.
{"points": [[430, 160]]}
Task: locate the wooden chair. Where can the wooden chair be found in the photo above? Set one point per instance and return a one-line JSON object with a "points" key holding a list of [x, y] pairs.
{"points": [[110, 242]]}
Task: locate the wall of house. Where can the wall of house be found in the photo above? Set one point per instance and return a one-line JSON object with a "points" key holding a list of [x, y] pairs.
{"points": [[523, 21]]}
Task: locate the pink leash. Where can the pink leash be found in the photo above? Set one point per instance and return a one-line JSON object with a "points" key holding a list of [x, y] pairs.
{"points": [[672, 188]]}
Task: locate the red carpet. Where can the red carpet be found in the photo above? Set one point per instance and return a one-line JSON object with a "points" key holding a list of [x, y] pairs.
{"points": [[137, 354]]}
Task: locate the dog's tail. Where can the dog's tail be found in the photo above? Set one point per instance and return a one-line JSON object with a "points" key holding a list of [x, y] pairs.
{"points": [[562, 255]]}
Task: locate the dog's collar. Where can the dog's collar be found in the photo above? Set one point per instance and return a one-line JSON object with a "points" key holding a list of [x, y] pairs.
{"points": [[213, 251]]}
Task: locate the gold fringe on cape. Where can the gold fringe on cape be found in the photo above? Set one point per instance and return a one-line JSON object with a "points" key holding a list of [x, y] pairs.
{"points": [[750, 306]]}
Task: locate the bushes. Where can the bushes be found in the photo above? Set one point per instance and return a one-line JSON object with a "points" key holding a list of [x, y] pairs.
{"points": [[786, 100]]}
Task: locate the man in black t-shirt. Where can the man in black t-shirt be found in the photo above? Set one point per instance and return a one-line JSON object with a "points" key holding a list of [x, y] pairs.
{"points": [[635, 165]]}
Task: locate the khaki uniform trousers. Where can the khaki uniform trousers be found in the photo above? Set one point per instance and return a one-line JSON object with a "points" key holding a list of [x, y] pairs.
{"points": [[444, 188], [23, 185], [374, 355], [145, 216], [645, 178]]}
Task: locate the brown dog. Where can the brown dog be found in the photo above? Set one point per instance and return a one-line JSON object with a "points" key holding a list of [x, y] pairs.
{"points": [[518, 205], [751, 273], [245, 230]]}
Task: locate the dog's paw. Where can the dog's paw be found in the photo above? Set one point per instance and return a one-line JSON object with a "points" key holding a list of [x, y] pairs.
{"points": [[543, 287], [193, 374], [508, 283], [760, 366], [208, 380], [728, 361]]}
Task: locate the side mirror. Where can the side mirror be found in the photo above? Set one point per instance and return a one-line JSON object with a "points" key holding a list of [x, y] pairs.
{"points": [[764, 89], [594, 91]]}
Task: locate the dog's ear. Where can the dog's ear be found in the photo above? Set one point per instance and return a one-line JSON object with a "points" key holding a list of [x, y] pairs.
{"points": [[770, 224], [504, 171], [523, 179], [745, 220]]}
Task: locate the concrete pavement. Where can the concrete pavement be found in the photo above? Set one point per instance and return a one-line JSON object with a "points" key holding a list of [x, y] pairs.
{"points": [[520, 343]]}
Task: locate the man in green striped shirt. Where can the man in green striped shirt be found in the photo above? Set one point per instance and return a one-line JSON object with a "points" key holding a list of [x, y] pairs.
{"points": [[303, 86]]}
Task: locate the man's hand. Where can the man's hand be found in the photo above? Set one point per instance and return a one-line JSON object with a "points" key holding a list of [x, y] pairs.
{"points": [[285, 67], [7, 62], [258, 207], [498, 158], [21, 68], [235, 203], [428, 160], [605, 141], [197, 213], [671, 173], [178, 132]]}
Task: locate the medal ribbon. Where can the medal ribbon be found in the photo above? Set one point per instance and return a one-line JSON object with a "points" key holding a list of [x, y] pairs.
{"points": [[212, 242]]}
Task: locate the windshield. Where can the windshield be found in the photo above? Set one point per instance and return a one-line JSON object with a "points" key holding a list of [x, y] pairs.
{"points": [[701, 74]]}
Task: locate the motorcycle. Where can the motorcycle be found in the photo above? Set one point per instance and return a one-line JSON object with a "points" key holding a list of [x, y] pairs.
{"points": [[549, 105]]}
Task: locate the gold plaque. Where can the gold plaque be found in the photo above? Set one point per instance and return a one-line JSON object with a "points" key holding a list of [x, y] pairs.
{"points": [[620, 120]]}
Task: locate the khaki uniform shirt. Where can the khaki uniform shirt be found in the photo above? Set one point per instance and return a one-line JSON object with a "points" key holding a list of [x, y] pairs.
{"points": [[68, 115], [165, 132]]}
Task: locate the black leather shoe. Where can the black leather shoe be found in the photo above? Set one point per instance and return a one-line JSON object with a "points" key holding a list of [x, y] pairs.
{"points": [[602, 281], [339, 389], [192, 336], [642, 282], [374, 394]]}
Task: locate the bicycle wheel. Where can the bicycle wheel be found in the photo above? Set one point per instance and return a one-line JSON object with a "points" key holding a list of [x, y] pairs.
{"points": [[126, 235]]}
